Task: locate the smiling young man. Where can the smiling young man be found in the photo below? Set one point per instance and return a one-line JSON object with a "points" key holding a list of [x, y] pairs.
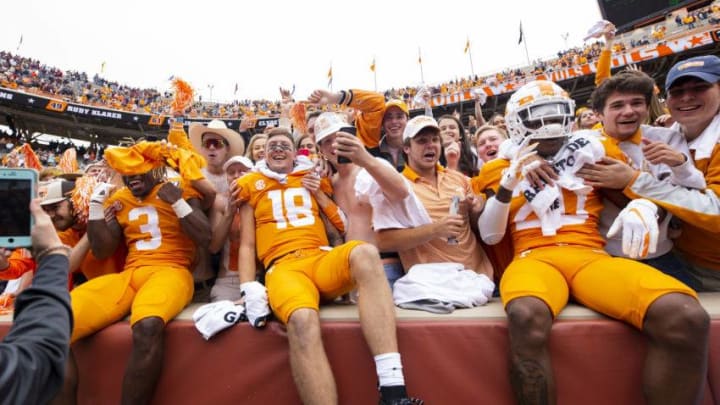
{"points": [[693, 97], [621, 103], [57, 203], [280, 220], [379, 124]]}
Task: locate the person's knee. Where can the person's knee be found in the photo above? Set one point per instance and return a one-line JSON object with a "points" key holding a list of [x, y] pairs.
{"points": [[304, 328], [365, 261], [148, 332], [529, 322], [677, 320]]}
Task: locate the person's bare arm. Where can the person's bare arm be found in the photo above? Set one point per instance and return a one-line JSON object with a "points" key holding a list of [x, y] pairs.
{"points": [[394, 240], [246, 254]]}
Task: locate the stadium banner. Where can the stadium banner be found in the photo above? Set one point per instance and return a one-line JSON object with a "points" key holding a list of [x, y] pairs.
{"points": [[82, 111], [631, 56]]}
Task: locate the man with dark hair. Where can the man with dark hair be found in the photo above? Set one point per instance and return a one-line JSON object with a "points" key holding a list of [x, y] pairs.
{"points": [[693, 97], [622, 103]]}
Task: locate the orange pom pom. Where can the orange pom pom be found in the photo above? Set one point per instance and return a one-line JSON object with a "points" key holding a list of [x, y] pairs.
{"points": [[68, 161], [184, 94], [297, 116], [80, 197], [31, 159]]}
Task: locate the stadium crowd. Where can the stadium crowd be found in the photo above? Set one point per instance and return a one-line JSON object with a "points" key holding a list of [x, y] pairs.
{"points": [[17, 72], [544, 204]]}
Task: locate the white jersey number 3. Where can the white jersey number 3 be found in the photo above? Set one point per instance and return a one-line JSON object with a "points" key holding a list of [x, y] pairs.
{"points": [[293, 206], [152, 227]]}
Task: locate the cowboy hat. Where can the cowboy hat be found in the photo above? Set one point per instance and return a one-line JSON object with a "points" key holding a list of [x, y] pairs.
{"points": [[236, 144]]}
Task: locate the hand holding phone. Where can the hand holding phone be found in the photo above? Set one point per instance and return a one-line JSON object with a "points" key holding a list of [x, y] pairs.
{"points": [[349, 130], [17, 189]]}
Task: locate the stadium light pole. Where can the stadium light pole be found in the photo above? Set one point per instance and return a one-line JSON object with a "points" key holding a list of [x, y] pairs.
{"points": [[565, 38]]}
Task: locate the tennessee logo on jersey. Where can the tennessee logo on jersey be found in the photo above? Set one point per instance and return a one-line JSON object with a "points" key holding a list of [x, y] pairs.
{"points": [[574, 213], [287, 217], [152, 230]]}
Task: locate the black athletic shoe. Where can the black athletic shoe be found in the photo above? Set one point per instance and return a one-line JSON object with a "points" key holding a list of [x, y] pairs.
{"points": [[402, 401]]}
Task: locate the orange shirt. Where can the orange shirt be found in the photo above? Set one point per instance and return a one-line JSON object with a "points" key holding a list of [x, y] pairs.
{"points": [[20, 262], [153, 234], [436, 201], [287, 217]]}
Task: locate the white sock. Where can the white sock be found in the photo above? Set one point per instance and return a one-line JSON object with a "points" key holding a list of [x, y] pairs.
{"points": [[389, 369]]}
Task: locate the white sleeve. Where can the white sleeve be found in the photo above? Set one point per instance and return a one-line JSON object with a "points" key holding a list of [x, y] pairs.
{"points": [[687, 175], [493, 221]]}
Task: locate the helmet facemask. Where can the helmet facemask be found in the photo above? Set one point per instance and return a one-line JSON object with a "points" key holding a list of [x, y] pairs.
{"points": [[539, 110]]}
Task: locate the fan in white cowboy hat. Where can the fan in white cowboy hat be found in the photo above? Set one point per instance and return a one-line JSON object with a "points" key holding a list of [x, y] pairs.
{"points": [[217, 143]]}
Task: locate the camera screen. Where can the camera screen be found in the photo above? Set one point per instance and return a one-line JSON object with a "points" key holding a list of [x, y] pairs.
{"points": [[15, 197]]}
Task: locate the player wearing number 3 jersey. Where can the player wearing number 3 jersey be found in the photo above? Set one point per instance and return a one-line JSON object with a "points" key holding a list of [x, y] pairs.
{"points": [[281, 221], [161, 223]]}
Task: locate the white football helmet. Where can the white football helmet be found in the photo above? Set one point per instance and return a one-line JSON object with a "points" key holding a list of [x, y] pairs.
{"points": [[539, 110]]}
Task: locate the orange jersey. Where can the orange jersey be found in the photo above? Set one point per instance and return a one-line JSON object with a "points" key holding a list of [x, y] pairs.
{"points": [[287, 217], [91, 266], [152, 230], [579, 213]]}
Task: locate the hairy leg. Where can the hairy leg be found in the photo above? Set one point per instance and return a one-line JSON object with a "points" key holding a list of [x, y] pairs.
{"points": [[375, 302], [308, 361]]}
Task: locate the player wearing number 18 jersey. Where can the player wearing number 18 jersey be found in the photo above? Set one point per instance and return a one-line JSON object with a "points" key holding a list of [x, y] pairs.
{"points": [[281, 219], [558, 252]]}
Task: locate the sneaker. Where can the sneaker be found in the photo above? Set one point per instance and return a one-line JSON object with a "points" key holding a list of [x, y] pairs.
{"points": [[402, 401]]}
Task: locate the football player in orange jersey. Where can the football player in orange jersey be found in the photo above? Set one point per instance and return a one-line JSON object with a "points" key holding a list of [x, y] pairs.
{"points": [[552, 217], [161, 223], [281, 219]]}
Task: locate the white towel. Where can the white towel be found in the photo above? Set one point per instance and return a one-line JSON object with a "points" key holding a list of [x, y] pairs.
{"points": [[217, 316], [443, 282], [580, 149], [301, 163]]}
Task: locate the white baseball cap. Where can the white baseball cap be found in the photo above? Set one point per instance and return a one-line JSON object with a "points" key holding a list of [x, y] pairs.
{"points": [[238, 159], [327, 124], [417, 124]]}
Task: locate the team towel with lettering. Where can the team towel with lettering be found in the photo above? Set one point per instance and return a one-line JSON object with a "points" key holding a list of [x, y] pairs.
{"points": [[217, 316], [545, 203], [442, 287]]}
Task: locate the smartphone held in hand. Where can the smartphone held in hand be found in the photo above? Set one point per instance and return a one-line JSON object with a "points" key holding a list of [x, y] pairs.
{"points": [[348, 130], [17, 189]]}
